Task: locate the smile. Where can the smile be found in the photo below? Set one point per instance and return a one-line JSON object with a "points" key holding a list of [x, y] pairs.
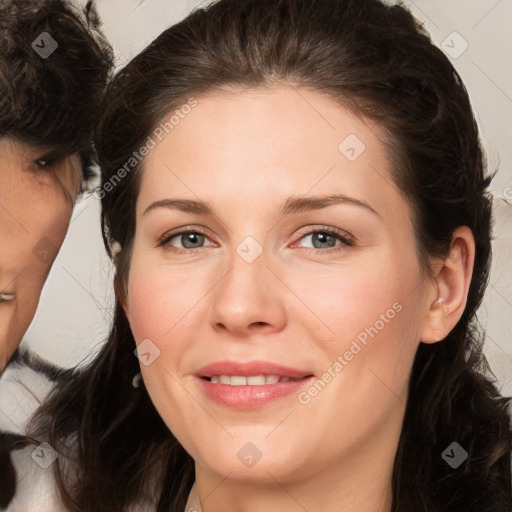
{"points": [[255, 380], [251, 384]]}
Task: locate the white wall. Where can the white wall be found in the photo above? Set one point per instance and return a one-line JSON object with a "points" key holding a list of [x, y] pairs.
{"points": [[75, 307]]}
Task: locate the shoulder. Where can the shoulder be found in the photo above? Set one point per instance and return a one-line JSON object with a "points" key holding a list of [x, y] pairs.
{"points": [[36, 490], [24, 385], [27, 482]]}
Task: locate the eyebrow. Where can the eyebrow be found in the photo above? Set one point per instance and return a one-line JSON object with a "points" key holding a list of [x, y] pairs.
{"points": [[294, 204]]}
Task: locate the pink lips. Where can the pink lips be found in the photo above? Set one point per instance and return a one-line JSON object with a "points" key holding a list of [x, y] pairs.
{"points": [[250, 396]]}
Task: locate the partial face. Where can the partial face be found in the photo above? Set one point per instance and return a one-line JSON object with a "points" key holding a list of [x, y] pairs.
{"points": [[36, 201], [275, 283]]}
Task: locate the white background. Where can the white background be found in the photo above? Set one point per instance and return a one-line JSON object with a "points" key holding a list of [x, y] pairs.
{"points": [[75, 308]]}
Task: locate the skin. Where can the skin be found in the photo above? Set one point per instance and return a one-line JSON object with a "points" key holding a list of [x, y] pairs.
{"points": [[37, 195], [245, 153]]}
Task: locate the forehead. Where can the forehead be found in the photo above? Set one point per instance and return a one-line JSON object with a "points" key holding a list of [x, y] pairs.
{"points": [[268, 142], [16, 149]]}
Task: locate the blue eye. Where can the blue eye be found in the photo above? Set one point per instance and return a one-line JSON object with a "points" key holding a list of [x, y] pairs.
{"points": [[328, 238], [192, 240], [187, 238]]}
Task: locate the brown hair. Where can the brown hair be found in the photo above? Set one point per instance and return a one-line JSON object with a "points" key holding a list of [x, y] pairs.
{"points": [[52, 102], [378, 61]]}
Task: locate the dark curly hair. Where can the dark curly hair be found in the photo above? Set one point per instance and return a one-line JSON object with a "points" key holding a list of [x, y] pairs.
{"points": [[49, 103], [378, 61], [52, 102]]}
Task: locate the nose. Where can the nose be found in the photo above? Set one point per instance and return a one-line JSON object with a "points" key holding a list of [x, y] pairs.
{"points": [[249, 299]]}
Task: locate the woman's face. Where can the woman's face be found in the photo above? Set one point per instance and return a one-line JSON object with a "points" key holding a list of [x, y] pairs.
{"points": [[36, 201], [276, 278]]}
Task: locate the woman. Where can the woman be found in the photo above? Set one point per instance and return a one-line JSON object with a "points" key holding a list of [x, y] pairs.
{"points": [[296, 201], [48, 95], [54, 65]]}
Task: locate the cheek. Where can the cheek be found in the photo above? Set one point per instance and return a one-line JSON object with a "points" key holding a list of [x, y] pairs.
{"points": [[55, 223], [68, 177], [373, 311], [370, 317], [48, 228], [352, 298], [45, 208], [35, 228], [160, 300]]}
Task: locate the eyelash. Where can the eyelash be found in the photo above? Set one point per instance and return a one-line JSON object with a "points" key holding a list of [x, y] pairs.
{"points": [[44, 163], [346, 240], [49, 160]]}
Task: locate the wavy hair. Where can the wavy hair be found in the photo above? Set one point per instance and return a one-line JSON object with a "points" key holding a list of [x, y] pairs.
{"points": [[49, 103], [52, 102], [378, 61]]}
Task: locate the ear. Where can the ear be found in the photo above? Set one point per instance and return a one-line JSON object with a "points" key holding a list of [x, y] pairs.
{"points": [[452, 277]]}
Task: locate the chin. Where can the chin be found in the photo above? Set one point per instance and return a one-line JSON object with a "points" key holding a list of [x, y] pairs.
{"points": [[247, 462]]}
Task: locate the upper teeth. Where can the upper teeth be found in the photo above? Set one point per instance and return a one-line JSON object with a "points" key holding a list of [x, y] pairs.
{"points": [[253, 380]]}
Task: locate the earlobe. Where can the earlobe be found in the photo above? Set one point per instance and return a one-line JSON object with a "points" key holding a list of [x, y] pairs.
{"points": [[447, 299], [435, 328]]}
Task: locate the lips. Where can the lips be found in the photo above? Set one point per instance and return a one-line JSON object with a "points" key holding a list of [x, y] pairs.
{"points": [[250, 369], [253, 380], [251, 384]]}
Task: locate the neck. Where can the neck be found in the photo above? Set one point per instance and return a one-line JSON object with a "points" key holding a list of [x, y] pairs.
{"points": [[327, 495]]}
